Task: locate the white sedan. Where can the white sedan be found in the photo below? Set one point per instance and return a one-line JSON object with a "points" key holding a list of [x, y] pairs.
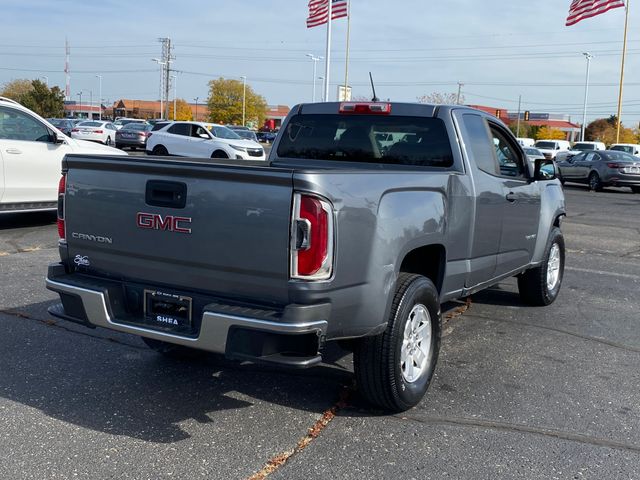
{"points": [[199, 139], [95, 131], [31, 153]]}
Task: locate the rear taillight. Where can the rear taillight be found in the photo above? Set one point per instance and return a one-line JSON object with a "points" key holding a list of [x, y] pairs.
{"points": [[75, 130], [614, 165], [311, 238], [62, 188], [97, 131], [365, 108]]}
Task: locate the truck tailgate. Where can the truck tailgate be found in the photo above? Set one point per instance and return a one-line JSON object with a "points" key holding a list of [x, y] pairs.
{"points": [[125, 220]]}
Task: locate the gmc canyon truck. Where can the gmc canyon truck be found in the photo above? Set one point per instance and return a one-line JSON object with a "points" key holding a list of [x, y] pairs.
{"points": [[366, 218]]}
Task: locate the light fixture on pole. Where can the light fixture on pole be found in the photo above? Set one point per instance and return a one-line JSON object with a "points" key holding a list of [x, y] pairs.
{"points": [[161, 64], [244, 99], [315, 63], [175, 95], [588, 56], [80, 105], [99, 77]]}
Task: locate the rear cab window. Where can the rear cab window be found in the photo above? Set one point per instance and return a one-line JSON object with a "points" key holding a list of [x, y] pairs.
{"points": [[391, 140]]}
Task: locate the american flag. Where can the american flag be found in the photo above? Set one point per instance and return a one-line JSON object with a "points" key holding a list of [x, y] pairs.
{"points": [[319, 11], [581, 9]]}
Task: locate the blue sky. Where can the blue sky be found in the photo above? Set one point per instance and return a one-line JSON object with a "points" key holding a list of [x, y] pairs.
{"points": [[498, 49]]}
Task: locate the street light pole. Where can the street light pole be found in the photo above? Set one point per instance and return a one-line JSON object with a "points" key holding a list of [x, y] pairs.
{"points": [[175, 95], [460, 85], [588, 56], [315, 63], [244, 99], [196, 99], [90, 105], [80, 106], [161, 64], [99, 77]]}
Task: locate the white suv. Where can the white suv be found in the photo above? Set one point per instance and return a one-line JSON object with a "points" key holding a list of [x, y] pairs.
{"points": [[31, 152], [198, 139], [550, 148]]}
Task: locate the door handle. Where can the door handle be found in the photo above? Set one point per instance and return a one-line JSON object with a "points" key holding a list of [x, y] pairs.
{"points": [[511, 197], [15, 151]]}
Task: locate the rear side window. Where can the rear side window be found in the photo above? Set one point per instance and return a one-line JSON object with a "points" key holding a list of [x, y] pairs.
{"points": [[481, 146], [395, 140], [158, 126], [180, 129]]}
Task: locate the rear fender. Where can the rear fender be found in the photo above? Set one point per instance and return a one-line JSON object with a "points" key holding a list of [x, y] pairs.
{"points": [[552, 206]]}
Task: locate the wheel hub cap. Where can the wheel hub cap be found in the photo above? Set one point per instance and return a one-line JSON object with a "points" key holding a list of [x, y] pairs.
{"points": [[416, 344], [553, 267]]}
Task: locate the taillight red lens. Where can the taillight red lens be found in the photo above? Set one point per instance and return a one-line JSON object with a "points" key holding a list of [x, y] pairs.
{"points": [[614, 165], [312, 238], [97, 131], [62, 187], [75, 130]]}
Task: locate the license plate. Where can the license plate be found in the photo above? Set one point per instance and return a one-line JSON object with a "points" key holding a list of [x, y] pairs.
{"points": [[168, 311]]}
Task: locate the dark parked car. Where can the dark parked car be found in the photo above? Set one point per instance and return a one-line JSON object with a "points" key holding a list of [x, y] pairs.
{"points": [[266, 137], [63, 124], [602, 169], [133, 135]]}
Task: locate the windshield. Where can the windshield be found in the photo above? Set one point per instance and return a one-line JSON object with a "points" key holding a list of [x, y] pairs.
{"points": [[620, 148], [223, 132], [584, 146], [246, 134], [547, 145], [140, 127], [420, 141], [532, 151], [619, 156]]}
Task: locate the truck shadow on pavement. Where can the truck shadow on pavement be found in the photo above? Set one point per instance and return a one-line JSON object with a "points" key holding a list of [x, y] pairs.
{"points": [[21, 220], [112, 383]]}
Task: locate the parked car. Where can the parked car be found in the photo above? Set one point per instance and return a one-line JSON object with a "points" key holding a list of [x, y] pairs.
{"points": [[199, 139], [122, 121], [602, 169], [133, 135], [247, 135], [65, 125], [336, 240], [632, 148], [526, 142], [580, 147], [533, 154], [550, 148], [31, 153], [266, 137], [95, 131]]}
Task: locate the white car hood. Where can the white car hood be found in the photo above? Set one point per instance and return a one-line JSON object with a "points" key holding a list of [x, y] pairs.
{"points": [[84, 146], [240, 143]]}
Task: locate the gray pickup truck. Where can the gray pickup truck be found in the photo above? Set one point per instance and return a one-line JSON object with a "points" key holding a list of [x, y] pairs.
{"points": [[366, 218]]}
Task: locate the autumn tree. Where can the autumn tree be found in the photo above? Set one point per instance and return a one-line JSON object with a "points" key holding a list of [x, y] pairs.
{"points": [[15, 89], [225, 103], [604, 130], [438, 98], [548, 133], [183, 110]]}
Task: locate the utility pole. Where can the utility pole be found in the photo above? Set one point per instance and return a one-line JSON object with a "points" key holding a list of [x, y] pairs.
{"points": [[588, 56], [99, 77], [518, 122], [165, 82], [80, 106], [460, 85], [244, 98], [175, 95], [90, 105], [196, 99]]}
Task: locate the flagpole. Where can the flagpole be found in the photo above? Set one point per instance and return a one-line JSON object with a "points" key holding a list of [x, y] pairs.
{"points": [[327, 57], [346, 65], [624, 54]]}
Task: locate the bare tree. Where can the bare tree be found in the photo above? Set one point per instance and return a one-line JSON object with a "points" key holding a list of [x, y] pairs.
{"points": [[439, 98]]}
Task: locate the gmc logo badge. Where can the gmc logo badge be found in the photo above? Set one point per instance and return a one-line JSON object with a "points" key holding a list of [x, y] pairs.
{"points": [[154, 221]]}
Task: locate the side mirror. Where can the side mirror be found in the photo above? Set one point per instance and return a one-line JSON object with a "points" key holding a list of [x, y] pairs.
{"points": [[544, 169], [204, 135]]}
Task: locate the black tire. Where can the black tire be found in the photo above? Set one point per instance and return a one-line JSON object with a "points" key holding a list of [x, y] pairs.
{"points": [[170, 350], [532, 284], [635, 189], [108, 142], [160, 151], [219, 154], [594, 182], [377, 360]]}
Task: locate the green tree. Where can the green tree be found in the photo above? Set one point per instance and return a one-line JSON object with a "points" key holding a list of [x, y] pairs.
{"points": [[45, 101], [225, 103], [15, 89], [526, 130], [183, 110]]}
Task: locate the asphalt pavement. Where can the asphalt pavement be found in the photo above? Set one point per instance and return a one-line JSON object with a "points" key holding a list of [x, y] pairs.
{"points": [[519, 392]]}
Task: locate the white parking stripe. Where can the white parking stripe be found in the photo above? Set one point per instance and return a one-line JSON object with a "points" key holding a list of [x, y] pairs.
{"points": [[602, 272]]}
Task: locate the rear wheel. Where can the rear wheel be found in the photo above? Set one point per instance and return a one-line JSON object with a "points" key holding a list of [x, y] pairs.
{"points": [[219, 154], [594, 182], [540, 286], [160, 151], [393, 370]]}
